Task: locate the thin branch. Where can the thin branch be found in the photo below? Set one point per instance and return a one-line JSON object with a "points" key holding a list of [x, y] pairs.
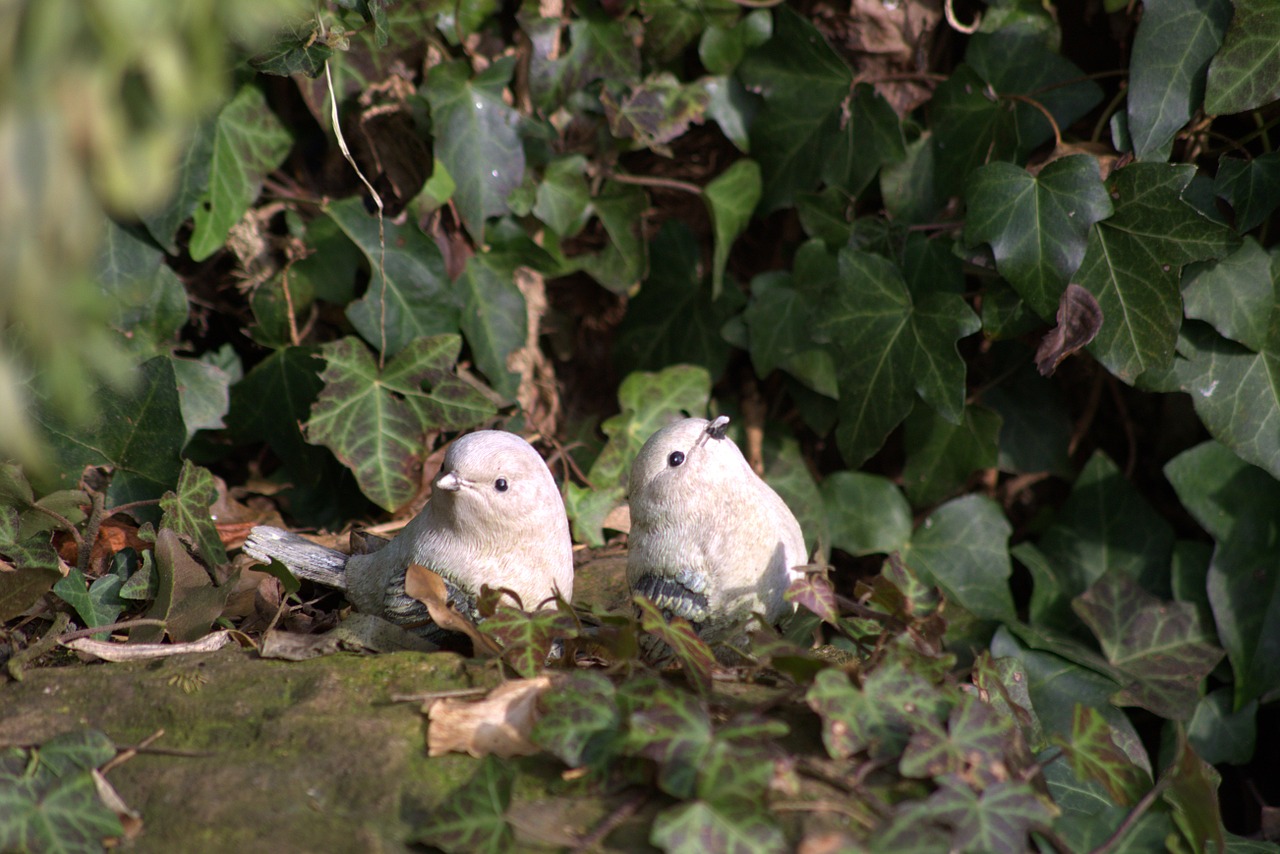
{"points": [[64, 524], [377, 200], [1057, 132], [130, 507], [1134, 815], [653, 181]]}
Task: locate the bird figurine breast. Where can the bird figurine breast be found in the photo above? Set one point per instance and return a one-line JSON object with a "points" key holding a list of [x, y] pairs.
{"points": [[710, 541], [495, 517]]}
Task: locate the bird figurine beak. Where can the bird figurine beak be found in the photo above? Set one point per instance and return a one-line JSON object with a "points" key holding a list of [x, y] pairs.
{"points": [[716, 429], [449, 482]]}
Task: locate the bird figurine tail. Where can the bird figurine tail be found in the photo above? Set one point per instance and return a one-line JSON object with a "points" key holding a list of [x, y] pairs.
{"points": [[305, 559]]}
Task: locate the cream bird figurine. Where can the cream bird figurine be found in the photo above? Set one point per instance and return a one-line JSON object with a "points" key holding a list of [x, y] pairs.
{"points": [[495, 517], [710, 541]]}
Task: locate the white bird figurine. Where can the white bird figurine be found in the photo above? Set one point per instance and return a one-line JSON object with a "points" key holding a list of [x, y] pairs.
{"points": [[710, 541], [495, 517]]}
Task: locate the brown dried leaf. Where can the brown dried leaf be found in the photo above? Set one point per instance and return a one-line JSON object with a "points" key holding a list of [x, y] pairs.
{"points": [[429, 588], [499, 724], [1079, 319]]}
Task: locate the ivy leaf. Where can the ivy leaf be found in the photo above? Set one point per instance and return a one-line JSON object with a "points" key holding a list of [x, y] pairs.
{"points": [[1035, 424], [476, 138], [601, 48], [472, 818], [494, 317], [579, 721], [647, 402], [204, 393], [1095, 755], [49, 800], [1193, 794], [817, 595], [139, 432], [621, 264], [690, 650], [1171, 53], [870, 138], [186, 511], [675, 318], [97, 604], [724, 44], [880, 717], [999, 819], [781, 317], [297, 53], [787, 472], [1037, 225], [185, 599], [146, 301], [656, 110], [1159, 645], [892, 344], [190, 182], [977, 741], [803, 83], [415, 299], [1018, 61], [1219, 733], [1238, 505], [674, 731], [563, 195], [1245, 73], [699, 826], [963, 547], [1251, 187], [249, 141], [1235, 392], [942, 455], [867, 513], [972, 126], [1105, 526], [323, 490], [1235, 294], [376, 421], [1134, 260], [671, 24], [527, 638], [731, 198]]}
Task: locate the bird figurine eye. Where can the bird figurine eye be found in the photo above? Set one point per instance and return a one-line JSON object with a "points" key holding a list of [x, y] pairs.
{"points": [[676, 458], [500, 484]]}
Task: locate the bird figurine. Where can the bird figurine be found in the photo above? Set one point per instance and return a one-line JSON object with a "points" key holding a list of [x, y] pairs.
{"points": [[495, 517], [710, 541]]}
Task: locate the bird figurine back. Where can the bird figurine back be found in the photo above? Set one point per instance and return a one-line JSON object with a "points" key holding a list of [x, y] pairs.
{"points": [[710, 541], [495, 517]]}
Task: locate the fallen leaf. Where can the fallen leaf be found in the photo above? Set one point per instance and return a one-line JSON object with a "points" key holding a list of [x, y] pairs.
{"points": [[108, 651], [499, 724], [1079, 319], [429, 588]]}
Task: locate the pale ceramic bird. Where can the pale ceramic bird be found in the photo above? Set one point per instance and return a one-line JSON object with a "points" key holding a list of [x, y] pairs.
{"points": [[495, 517], [710, 541]]}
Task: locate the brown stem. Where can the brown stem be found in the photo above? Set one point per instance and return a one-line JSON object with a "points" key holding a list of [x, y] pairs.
{"points": [[653, 181]]}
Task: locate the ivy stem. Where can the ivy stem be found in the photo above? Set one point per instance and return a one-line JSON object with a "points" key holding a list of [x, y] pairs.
{"points": [[1025, 99], [653, 181], [63, 524], [96, 515]]}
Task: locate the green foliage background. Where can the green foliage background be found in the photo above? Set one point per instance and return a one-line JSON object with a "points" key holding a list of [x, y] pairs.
{"points": [[846, 227]]}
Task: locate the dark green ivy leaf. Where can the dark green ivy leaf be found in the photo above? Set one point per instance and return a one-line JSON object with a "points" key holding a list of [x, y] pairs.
{"points": [[375, 420], [472, 818]]}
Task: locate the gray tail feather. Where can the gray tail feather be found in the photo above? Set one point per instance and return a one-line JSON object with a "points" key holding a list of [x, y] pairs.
{"points": [[304, 558]]}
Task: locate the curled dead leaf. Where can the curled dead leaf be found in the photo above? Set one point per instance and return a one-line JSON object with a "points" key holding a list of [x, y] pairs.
{"points": [[499, 724], [429, 588], [1079, 319]]}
